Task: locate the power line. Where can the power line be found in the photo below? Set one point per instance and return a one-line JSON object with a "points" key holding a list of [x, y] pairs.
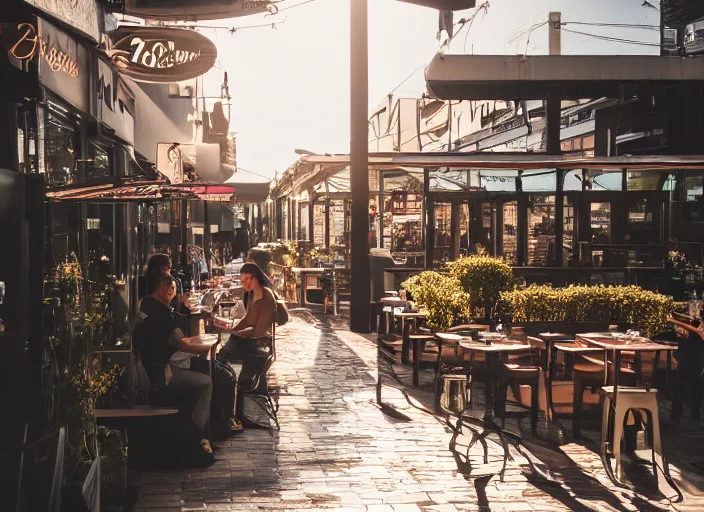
{"points": [[620, 25], [252, 172], [289, 7], [613, 39], [232, 30]]}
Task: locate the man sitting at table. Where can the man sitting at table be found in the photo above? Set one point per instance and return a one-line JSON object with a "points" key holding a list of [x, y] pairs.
{"points": [[159, 338]]}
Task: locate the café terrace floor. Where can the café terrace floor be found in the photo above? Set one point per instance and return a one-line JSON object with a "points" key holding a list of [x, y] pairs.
{"points": [[338, 450]]}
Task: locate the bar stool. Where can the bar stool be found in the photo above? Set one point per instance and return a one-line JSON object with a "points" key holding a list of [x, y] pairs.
{"points": [[641, 399]]}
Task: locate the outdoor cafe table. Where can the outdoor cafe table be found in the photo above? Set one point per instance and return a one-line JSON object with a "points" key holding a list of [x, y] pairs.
{"points": [[413, 319], [304, 272], [491, 353], [616, 346]]}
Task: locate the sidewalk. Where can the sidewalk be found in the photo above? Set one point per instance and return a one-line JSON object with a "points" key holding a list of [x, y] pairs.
{"points": [[338, 450]]}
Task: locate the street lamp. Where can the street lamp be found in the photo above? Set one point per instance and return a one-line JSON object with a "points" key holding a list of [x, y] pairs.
{"points": [[359, 153]]}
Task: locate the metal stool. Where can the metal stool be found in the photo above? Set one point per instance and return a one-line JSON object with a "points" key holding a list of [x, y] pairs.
{"points": [[628, 399]]}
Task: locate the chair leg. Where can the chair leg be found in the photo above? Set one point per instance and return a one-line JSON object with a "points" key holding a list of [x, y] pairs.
{"points": [[500, 401], [619, 417], [577, 399], [534, 406]]}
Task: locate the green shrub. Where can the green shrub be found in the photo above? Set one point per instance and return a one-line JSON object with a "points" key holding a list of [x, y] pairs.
{"points": [[442, 296], [484, 278], [643, 309]]}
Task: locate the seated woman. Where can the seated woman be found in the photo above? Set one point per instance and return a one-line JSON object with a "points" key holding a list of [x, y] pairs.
{"points": [[161, 337], [243, 344]]}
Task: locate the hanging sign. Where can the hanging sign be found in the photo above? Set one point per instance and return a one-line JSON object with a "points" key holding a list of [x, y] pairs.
{"points": [[202, 10], [160, 54]]}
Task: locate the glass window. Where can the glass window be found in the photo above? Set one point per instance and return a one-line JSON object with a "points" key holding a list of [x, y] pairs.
{"points": [[539, 181], [541, 231], [694, 185], [604, 180], [510, 232], [98, 164], [464, 228], [304, 222], [568, 232], [638, 213], [337, 222], [573, 180], [60, 152], [600, 219], [498, 180], [643, 180], [319, 216]]}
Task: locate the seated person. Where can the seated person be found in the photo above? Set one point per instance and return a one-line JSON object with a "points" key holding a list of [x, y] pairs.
{"points": [[160, 339], [161, 264], [243, 344]]}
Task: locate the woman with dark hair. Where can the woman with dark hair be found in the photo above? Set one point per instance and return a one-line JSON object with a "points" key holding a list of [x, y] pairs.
{"points": [[245, 334], [160, 264]]}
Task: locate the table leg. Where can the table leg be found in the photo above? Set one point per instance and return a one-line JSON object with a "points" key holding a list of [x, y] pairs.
{"points": [[302, 297], [416, 361], [406, 345], [667, 371], [491, 362]]}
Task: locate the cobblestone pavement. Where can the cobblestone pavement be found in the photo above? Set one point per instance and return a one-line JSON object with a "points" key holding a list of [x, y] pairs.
{"points": [[338, 450]]}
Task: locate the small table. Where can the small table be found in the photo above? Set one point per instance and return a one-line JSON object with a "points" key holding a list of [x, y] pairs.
{"points": [[414, 319], [616, 346], [388, 306], [303, 273]]}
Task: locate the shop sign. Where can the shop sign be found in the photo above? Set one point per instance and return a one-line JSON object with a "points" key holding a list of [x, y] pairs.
{"points": [[202, 10], [60, 61], [81, 14], [29, 45], [159, 54]]}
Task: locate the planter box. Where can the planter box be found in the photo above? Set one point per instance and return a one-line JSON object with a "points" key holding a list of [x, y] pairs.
{"points": [[534, 328]]}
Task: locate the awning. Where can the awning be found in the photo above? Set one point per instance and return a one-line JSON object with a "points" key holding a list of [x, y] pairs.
{"points": [[142, 190], [249, 187], [512, 161], [486, 77]]}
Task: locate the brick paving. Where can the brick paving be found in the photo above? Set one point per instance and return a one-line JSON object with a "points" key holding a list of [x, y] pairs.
{"points": [[338, 450]]}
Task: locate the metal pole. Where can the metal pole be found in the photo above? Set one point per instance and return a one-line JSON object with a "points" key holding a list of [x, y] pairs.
{"points": [[359, 167], [206, 236]]}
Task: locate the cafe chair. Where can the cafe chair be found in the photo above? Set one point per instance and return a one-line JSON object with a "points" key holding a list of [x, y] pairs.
{"points": [[588, 373], [516, 375], [264, 396]]}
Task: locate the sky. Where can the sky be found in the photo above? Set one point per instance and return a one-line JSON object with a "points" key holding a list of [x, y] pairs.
{"points": [[290, 84]]}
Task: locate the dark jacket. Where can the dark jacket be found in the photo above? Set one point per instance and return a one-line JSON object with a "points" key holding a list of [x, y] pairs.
{"points": [[158, 339]]}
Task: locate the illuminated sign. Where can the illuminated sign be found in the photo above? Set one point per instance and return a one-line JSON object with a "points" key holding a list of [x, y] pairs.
{"points": [[159, 54], [30, 44]]}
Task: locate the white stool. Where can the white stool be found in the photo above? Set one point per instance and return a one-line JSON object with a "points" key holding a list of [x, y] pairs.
{"points": [[629, 398]]}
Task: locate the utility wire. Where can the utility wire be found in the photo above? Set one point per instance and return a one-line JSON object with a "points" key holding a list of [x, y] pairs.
{"points": [[290, 7], [252, 172], [232, 30], [609, 38], [620, 25]]}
